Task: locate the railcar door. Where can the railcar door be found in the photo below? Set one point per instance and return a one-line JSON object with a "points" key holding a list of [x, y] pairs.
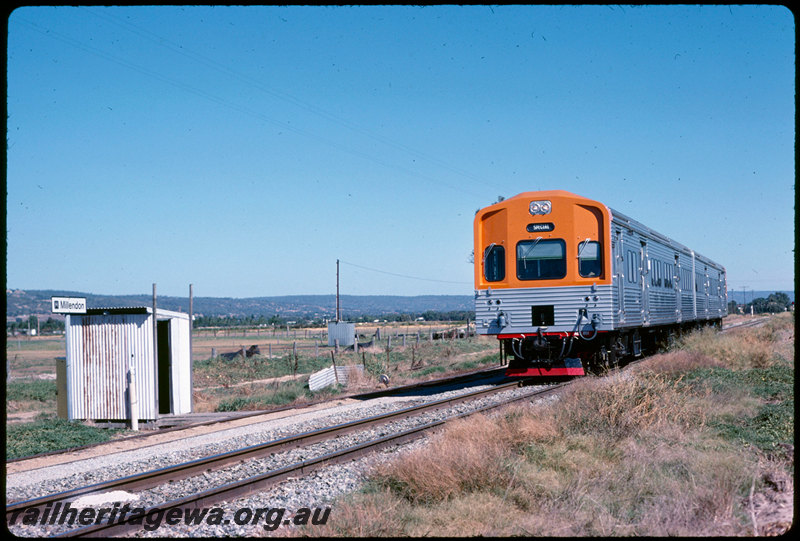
{"points": [[619, 276], [676, 281], [645, 270]]}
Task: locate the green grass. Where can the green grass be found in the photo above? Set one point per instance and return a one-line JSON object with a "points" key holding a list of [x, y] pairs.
{"points": [[39, 390], [49, 434], [220, 371], [770, 423], [22, 344]]}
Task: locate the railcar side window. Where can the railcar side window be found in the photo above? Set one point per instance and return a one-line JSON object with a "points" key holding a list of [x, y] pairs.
{"points": [[589, 259], [633, 267], [494, 263], [541, 259]]}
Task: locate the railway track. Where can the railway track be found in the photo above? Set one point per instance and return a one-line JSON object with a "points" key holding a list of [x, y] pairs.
{"points": [[745, 324], [74, 453], [239, 487]]}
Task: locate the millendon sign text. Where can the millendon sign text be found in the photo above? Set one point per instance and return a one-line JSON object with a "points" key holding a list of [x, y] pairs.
{"points": [[68, 305]]}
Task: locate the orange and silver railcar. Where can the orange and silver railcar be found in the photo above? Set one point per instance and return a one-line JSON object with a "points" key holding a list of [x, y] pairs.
{"points": [[567, 284]]}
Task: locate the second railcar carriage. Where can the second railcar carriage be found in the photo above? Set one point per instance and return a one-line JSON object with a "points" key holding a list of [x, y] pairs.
{"points": [[565, 283]]}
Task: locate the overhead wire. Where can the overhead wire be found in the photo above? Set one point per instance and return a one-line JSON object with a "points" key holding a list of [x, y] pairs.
{"points": [[242, 109], [179, 49], [257, 114], [404, 275], [252, 82]]}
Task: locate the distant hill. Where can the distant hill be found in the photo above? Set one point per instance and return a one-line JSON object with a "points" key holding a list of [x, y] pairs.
{"points": [[37, 302]]}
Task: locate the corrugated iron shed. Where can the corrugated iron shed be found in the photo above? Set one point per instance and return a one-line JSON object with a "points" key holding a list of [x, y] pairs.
{"points": [[106, 345]]}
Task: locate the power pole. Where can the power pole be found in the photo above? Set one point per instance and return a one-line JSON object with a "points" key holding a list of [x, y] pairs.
{"points": [[191, 362], [338, 314], [155, 349]]}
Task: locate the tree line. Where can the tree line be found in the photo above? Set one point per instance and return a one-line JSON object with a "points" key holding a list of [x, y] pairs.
{"points": [[773, 304], [21, 325]]}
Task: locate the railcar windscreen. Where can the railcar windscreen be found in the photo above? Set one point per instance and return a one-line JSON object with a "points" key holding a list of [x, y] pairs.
{"points": [[589, 261], [494, 263], [541, 259]]}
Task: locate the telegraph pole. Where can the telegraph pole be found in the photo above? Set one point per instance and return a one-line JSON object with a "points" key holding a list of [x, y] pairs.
{"points": [[155, 349], [191, 361], [337, 292]]}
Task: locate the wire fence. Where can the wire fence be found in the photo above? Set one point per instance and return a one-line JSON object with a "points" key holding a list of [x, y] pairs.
{"points": [[278, 343]]}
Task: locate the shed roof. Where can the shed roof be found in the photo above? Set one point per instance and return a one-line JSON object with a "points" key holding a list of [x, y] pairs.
{"points": [[135, 310]]}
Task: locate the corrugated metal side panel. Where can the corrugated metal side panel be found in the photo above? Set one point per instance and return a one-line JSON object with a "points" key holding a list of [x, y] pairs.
{"points": [[181, 365], [141, 328], [326, 377], [662, 306], [516, 304], [344, 332], [100, 350]]}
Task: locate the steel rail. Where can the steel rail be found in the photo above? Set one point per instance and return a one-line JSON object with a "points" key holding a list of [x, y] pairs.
{"points": [[253, 484], [214, 462]]}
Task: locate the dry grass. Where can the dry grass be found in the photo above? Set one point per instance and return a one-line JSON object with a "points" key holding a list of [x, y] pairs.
{"points": [[470, 457], [619, 407], [736, 350], [678, 362], [745, 348]]}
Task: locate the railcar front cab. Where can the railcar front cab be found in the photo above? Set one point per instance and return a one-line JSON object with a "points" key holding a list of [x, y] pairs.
{"points": [[543, 278]]}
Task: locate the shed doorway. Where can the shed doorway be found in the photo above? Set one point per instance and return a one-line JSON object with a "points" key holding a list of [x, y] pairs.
{"points": [[164, 367]]}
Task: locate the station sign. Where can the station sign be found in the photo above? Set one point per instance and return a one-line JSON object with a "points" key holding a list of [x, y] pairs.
{"points": [[68, 305]]}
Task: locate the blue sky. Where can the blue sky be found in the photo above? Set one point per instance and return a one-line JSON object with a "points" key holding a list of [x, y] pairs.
{"points": [[246, 149]]}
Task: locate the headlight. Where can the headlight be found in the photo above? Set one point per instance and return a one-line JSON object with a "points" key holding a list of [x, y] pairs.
{"points": [[540, 207]]}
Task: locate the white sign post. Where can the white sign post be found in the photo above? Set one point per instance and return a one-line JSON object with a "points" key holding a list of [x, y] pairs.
{"points": [[68, 305]]}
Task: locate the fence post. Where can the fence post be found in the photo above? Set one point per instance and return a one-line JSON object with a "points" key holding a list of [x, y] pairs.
{"points": [[335, 374]]}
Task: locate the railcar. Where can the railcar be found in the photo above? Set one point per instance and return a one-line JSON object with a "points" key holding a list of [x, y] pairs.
{"points": [[567, 284]]}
